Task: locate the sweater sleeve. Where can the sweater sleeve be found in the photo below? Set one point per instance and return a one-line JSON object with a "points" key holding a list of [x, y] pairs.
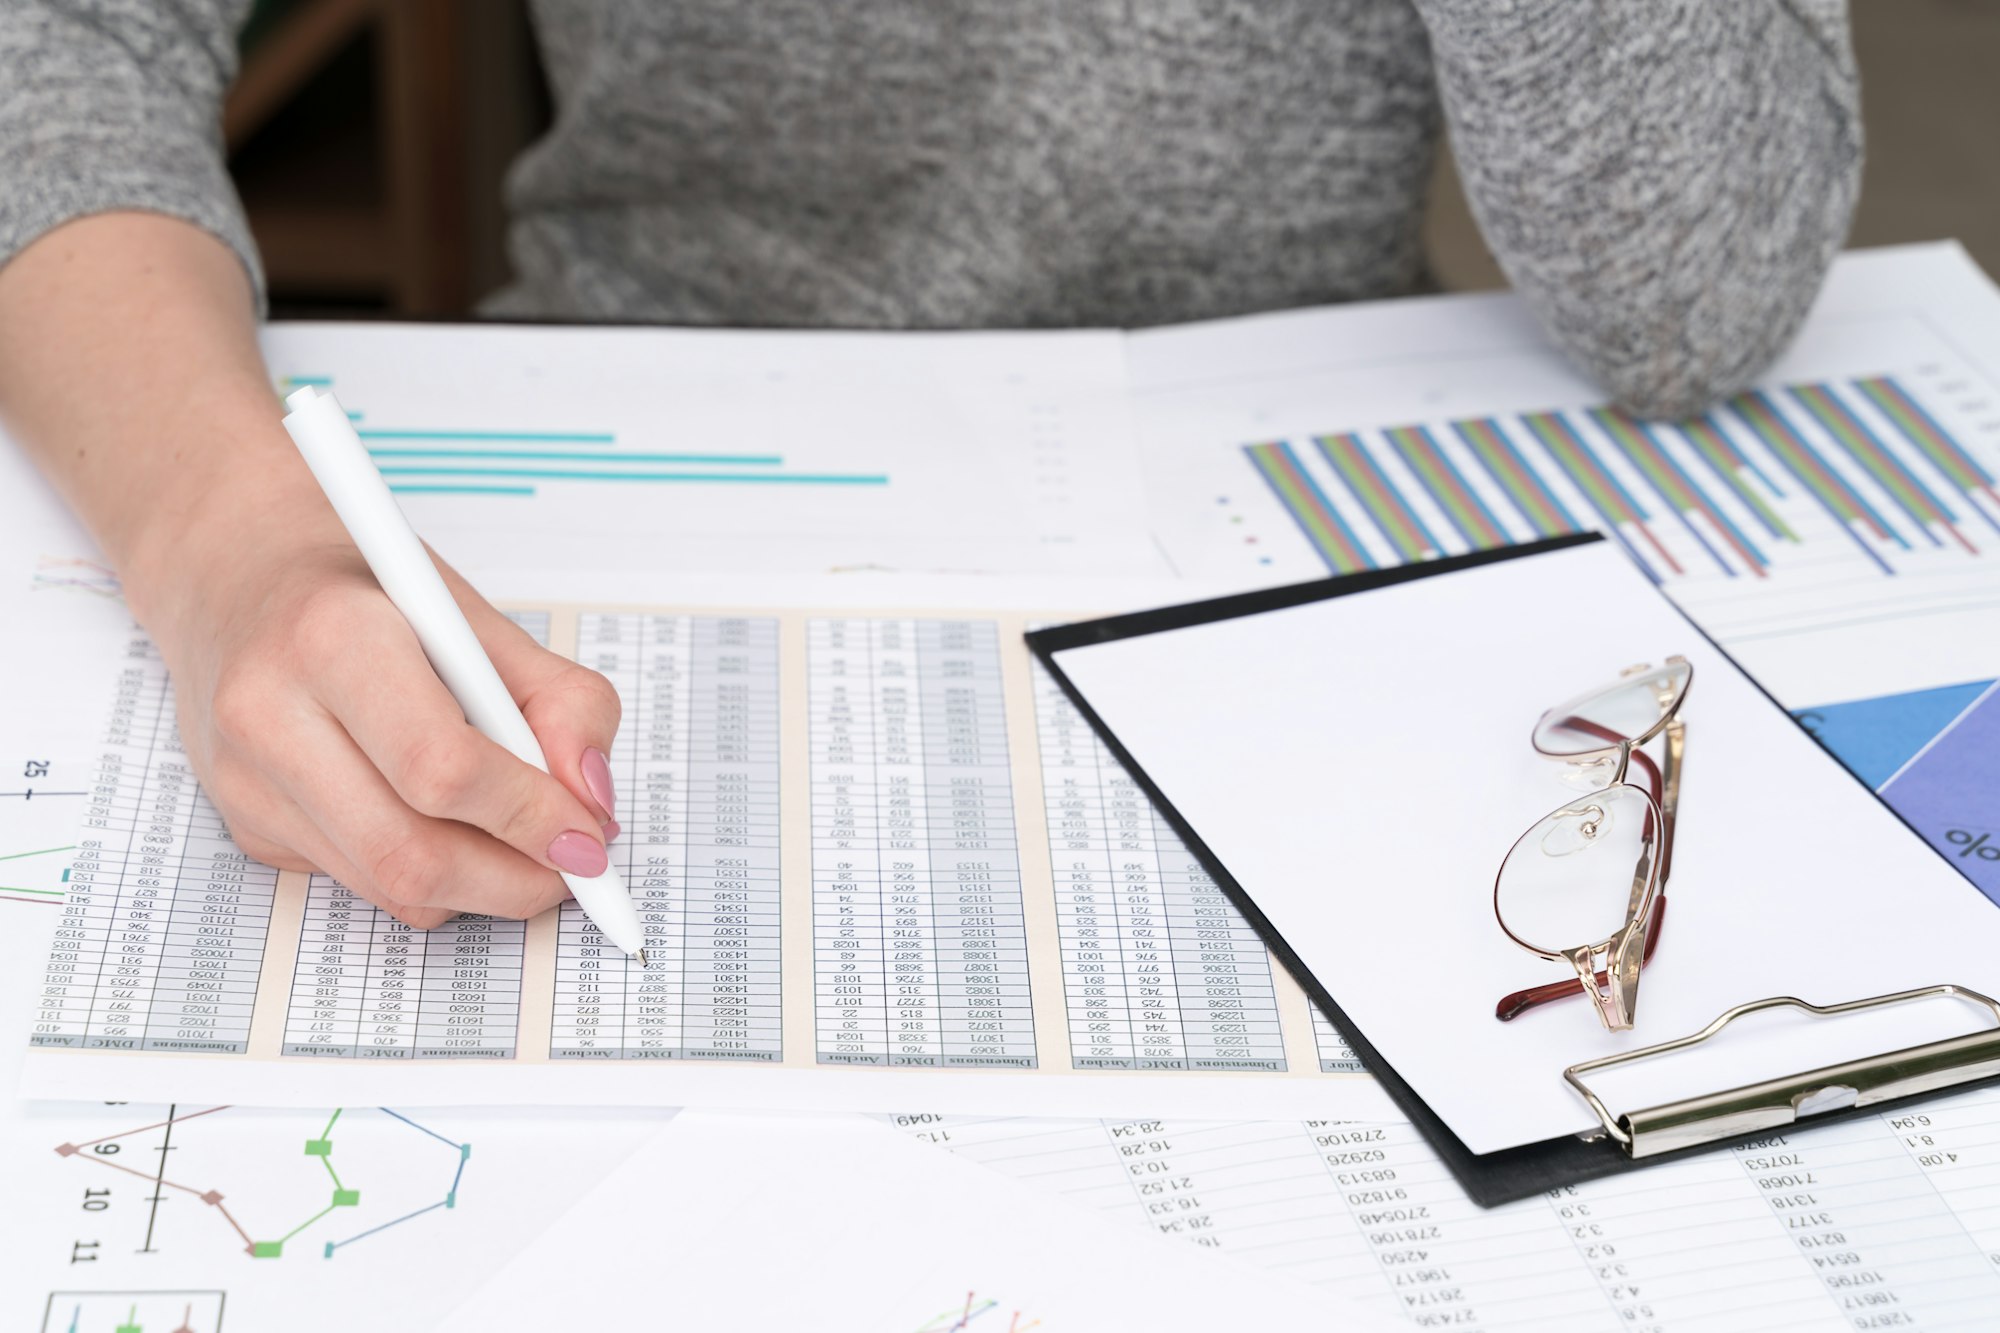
{"points": [[116, 104], [1664, 183]]}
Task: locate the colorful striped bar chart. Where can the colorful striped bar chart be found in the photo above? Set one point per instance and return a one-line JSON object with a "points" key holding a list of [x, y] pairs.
{"points": [[431, 461], [1765, 478]]}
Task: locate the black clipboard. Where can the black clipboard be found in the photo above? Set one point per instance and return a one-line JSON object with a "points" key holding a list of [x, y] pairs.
{"points": [[1490, 1178]]}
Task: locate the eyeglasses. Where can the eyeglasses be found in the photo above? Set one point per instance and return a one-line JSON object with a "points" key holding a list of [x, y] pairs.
{"points": [[1596, 868]]}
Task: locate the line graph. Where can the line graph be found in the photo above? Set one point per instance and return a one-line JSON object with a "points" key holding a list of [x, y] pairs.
{"points": [[35, 827], [67, 572], [29, 893], [956, 1317], [339, 1198]]}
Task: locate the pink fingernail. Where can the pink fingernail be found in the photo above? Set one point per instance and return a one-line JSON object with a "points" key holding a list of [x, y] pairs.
{"points": [[597, 777], [611, 830], [578, 854]]}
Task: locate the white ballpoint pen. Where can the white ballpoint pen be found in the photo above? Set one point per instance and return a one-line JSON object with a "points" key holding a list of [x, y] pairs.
{"points": [[340, 463]]}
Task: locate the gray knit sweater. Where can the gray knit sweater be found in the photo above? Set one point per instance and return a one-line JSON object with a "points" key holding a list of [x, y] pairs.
{"points": [[1663, 180]]}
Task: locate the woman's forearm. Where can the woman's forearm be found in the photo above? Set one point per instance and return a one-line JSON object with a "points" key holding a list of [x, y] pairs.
{"points": [[129, 367], [130, 372]]}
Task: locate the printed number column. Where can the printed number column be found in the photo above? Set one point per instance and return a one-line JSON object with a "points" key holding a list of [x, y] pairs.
{"points": [[909, 939], [470, 1006], [124, 998], [732, 1005], [589, 1011], [1864, 1214], [1222, 971], [221, 916], [1086, 887], [77, 956], [658, 754], [849, 1003], [1445, 1261], [1954, 1143], [1145, 939], [392, 989], [330, 978], [979, 942]]}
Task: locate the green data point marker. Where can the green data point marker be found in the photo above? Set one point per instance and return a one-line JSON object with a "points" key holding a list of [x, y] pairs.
{"points": [[267, 1249], [346, 1198], [319, 1147]]}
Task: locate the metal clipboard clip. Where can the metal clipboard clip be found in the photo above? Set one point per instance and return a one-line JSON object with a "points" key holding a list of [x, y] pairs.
{"points": [[1783, 1101]]}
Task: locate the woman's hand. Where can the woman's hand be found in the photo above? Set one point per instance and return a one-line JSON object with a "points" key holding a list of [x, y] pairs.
{"points": [[129, 369], [321, 733]]}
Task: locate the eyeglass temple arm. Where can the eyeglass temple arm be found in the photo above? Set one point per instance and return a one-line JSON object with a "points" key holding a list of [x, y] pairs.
{"points": [[1667, 792], [1521, 1001]]}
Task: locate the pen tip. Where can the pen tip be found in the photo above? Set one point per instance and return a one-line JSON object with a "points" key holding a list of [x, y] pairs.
{"points": [[642, 958]]}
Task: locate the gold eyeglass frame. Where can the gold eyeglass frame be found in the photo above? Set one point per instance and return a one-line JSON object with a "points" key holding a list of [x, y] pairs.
{"points": [[1624, 950]]}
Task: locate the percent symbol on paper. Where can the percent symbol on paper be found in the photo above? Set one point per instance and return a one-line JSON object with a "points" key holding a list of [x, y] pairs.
{"points": [[1980, 845]]}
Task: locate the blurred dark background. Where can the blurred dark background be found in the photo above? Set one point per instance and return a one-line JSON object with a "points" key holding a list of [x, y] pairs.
{"points": [[370, 138]]}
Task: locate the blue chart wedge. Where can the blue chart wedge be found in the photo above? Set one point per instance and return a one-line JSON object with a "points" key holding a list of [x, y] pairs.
{"points": [[1946, 792], [1875, 737], [1934, 756]]}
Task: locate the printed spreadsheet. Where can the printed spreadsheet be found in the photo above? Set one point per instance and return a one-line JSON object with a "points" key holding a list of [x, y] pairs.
{"points": [[864, 841]]}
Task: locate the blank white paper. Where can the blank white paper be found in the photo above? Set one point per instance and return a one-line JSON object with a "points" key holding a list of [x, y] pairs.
{"points": [[1360, 765]]}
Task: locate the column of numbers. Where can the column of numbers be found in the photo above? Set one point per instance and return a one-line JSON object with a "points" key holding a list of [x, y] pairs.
{"points": [[920, 944], [205, 990], [850, 1004], [1957, 1144], [1159, 970], [366, 985], [77, 957], [163, 931], [731, 963], [132, 954], [1861, 1212], [697, 773], [979, 940]]}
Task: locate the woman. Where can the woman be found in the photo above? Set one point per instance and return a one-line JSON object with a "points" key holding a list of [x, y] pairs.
{"points": [[1664, 183]]}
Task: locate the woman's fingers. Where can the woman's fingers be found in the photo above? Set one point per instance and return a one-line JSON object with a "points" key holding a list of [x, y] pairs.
{"points": [[329, 742], [410, 728], [268, 826], [573, 710], [393, 855]]}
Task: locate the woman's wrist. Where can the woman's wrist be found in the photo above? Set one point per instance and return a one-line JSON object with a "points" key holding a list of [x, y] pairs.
{"points": [[200, 540]]}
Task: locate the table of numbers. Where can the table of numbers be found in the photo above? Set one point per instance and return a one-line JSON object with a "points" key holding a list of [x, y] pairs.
{"points": [[367, 986], [1159, 970], [163, 931], [1882, 1222], [696, 770], [920, 952]]}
